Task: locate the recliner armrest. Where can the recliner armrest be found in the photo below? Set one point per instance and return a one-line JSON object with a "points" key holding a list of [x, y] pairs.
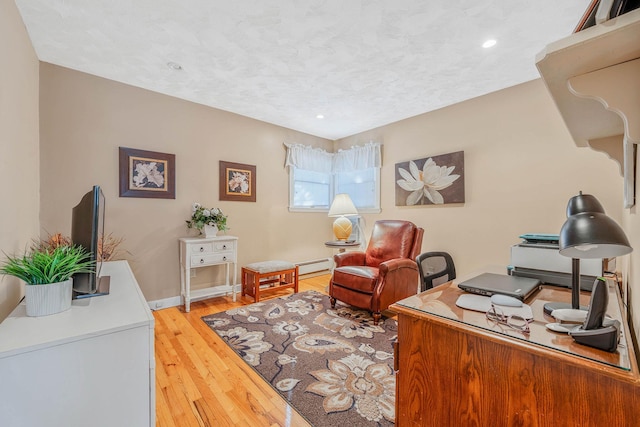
{"points": [[396, 264], [349, 258]]}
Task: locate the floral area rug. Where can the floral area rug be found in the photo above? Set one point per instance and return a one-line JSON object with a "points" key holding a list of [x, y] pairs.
{"points": [[333, 365]]}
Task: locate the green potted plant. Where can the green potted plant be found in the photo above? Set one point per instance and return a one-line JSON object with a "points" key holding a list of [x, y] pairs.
{"points": [[211, 220], [48, 274]]}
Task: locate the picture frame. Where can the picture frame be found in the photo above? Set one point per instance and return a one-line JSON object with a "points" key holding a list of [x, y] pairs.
{"points": [[237, 182], [430, 181], [147, 174], [588, 19]]}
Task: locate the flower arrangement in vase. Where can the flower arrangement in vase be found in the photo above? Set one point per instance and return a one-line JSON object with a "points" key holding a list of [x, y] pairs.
{"points": [[211, 220]]}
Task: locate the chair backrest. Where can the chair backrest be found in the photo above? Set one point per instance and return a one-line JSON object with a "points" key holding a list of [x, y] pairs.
{"points": [[392, 239], [435, 269]]}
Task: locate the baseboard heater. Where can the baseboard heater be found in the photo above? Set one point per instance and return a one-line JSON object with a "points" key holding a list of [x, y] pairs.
{"points": [[314, 266]]}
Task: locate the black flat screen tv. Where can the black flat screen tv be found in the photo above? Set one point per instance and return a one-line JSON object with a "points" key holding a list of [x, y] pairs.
{"points": [[87, 230]]}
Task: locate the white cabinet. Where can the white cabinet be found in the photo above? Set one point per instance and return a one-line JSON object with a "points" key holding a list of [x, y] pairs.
{"points": [[92, 365], [206, 252]]}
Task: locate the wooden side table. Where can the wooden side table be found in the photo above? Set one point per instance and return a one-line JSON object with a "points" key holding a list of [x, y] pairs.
{"points": [[198, 252], [267, 276]]}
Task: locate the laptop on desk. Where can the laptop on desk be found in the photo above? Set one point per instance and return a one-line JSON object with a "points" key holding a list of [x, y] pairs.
{"points": [[489, 283]]}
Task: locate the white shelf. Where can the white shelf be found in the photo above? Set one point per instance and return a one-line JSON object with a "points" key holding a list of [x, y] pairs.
{"points": [[594, 79], [602, 46], [211, 291]]}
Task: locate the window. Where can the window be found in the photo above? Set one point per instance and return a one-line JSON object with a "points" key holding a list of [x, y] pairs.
{"points": [[310, 190], [362, 186], [315, 176], [314, 191]]}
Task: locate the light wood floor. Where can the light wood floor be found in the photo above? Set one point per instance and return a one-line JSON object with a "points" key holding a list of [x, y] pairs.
{"points": [[200, 381]]}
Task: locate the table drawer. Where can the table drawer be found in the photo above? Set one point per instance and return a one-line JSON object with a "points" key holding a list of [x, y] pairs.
{"points": [[212, 258], [227, 245], [201, 248]]}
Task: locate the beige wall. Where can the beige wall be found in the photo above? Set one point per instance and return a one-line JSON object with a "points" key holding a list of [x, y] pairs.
{"points": [[631, 224], [521, 168], [19, 163], [84, 119]]}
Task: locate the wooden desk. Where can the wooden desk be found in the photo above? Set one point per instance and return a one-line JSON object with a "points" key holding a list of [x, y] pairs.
{"points": [[456, 368]]}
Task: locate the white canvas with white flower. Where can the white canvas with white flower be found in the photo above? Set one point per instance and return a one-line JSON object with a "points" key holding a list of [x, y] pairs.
{"points": [[434, 180]]}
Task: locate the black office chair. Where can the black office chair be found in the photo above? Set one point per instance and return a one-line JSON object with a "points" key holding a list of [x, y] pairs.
{"points": [[435, 269]]}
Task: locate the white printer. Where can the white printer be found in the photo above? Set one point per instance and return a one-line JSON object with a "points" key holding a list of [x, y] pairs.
{"points": [[538, 256]]}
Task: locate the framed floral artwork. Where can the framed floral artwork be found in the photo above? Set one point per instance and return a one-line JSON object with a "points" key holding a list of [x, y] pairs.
{"points": [[237, 182], [147, 174], [434, 180]]}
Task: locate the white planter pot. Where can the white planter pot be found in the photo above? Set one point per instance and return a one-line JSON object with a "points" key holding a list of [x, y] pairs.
{"points": [[43, 300], [210, 230]]}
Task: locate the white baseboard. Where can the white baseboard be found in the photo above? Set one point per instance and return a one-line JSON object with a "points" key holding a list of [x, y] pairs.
{"points": [[165, 303], [177, 300], [305, 267], [314, 266]]}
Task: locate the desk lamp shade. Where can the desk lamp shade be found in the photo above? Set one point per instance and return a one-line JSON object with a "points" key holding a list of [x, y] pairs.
{"points": [[342, 207], [583, 203], [592, 235], [588, 233]]}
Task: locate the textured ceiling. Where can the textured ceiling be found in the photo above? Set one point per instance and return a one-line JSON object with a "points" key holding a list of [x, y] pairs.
{"points": [[360, 63]]}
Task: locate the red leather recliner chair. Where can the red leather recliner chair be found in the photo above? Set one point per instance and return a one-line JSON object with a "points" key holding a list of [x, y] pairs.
{"points": [[385, 273]]}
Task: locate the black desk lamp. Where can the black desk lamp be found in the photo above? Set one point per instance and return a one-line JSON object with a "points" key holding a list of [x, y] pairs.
{"points": [[587, 233]]}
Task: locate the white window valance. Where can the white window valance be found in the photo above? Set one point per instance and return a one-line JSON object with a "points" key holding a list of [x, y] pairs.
{"points": [[319, 160], [357, 158], [309, 158]]}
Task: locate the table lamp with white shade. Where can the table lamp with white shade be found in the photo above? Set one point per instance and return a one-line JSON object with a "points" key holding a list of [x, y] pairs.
{"points": [[341, 208]]}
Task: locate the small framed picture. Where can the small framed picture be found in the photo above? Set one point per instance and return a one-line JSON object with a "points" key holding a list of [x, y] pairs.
{"points": [[147, 174], [237, 182]]}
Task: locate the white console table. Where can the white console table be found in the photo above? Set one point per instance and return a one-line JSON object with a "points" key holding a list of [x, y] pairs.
{"points": [[197, 252], [92, 365]]}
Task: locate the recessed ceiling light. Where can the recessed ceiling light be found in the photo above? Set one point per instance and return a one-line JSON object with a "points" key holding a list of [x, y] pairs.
{"points": [[320, 116], [174, 65], [489, 43]]}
